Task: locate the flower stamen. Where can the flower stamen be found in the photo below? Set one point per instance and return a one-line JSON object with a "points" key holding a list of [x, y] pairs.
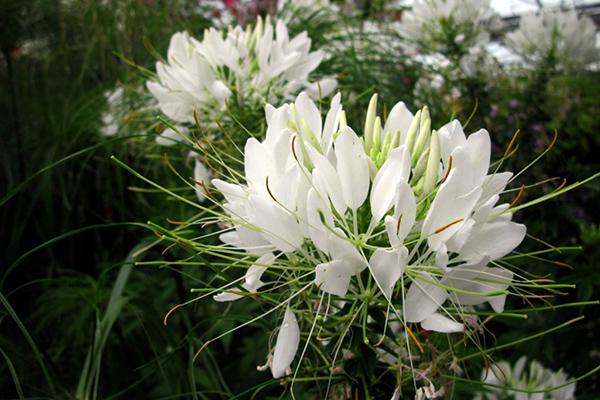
{"points": [[448, 169], [508, 153], [516, 200], [562, 185], [169, 313], [443, 228], [412, 335]]}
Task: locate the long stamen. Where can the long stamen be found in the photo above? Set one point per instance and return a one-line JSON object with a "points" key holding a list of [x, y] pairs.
{"points": [[169, 313], [269, 190], [516, 200], [168, 248], [562, 264], [562, 185], [412, 335], [398, 223], [448, 169], [507, 153], [443, 228]]}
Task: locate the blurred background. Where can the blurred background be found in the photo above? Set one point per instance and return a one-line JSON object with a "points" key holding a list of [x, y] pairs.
{"points": [[79, 320]]}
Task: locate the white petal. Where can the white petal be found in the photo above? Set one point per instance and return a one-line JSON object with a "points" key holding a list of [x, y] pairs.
{"points": [[352, 168], [333, 277], [232, 192], [448, 207], [258, 164], [255, 272], [391, 229], [495, 239], [330, 179], [405, 205], [308, 112], [497, 302], [423, 299], [479, 147], [279, 227], [493, 185], [387, 267], [317, 230], [201, 174], [248, 239], [477, 278], [327, 86], [286, 346], [169, 137], [252, 279], [457, 241], [399, 119], [342, 249], [230, 238], [395, 169], [439, 323], [331, 123], [226, 296], [269, 111]]}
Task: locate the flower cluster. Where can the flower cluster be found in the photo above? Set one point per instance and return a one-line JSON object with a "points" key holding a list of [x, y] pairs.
{"points": [[242, 67], [405, 214], [564, 37], [537, 383], [443, 26]]}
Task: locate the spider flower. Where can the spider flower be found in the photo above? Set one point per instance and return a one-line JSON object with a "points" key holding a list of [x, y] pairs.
{"points": [[535, 379], [412, 211], [570, 39], [446, 26], [242, 66]]}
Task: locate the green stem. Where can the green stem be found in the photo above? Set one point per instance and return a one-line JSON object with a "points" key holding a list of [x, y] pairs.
{"points": [[524, 339]]}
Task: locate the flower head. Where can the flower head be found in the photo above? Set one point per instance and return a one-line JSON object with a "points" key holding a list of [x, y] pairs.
{"points": [[446, 26], [244, 67], [416, 207], [536, 378], [560, 37]]}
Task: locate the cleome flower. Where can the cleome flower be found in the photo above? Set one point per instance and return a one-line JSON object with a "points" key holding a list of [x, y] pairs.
{"points": [[560, 37], [535, 383], [242, 66], [404, 214], [449, 26]]}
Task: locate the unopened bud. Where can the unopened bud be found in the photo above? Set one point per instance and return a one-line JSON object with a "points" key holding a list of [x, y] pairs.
{"points": [[433, 163], [371, 114]]}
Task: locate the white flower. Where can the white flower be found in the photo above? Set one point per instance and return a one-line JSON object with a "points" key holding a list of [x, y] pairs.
{"points": [[316, 191], [187, 82], [559, 37], [244, 66], [447, 25], [111, 116], [536, 378]]}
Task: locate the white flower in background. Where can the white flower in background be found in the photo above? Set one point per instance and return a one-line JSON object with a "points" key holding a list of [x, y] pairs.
{"points": [[416, 207], [112, 115], [246, 67], [449, 26], [186, 82], [536, 378], [569, 39], [218, 12]]}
